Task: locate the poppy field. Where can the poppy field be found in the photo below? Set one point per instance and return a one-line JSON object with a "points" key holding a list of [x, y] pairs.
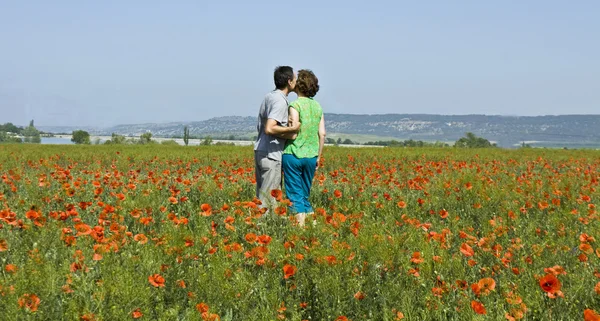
{"points": [[175, 233]]}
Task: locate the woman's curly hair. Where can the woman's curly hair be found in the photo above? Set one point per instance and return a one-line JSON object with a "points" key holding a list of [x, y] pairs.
{"points": [[307, 83]]}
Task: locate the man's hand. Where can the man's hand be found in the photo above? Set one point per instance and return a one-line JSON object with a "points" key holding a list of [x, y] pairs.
{"points": [[295, 126]]}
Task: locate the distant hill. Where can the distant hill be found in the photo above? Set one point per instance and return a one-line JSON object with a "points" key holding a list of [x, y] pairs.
{"points": [[507, 131]]}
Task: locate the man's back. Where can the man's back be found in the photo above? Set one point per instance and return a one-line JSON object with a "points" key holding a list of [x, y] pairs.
{"points": [[274, 106]]}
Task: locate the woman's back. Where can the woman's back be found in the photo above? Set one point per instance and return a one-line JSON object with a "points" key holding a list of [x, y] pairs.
{"points": [[306, 144]]}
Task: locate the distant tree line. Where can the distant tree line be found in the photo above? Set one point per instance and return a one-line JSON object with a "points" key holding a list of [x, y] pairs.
{"points": [[83, 137], [472, 141], [406, 143], [469, 141], [10, 133], [339, 141], [144, 139]]}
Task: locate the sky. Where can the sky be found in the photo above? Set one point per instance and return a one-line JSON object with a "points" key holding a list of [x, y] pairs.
{"points": [[103, 63]]}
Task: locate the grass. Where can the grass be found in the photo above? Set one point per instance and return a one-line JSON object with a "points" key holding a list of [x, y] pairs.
{"points": [[90, 232]]}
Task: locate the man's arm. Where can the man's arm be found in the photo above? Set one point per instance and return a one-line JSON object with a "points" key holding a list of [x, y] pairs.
{"points": [[274, 129], [277, 116], [321, 138]]}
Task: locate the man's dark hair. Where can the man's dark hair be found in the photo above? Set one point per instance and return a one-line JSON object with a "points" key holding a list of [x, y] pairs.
{"points": [[282, 75], [307, 83]]}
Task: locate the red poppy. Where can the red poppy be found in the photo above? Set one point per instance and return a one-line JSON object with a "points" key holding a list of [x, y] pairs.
{"points": [[30, 302], [277, 194], [251, 238], [476, 288], [88, 317], [416, 258], [289, 270], [136, 314], [556, 270], [550, 284], [359, 295], [206, 209], [11, 268], [264, 239], [443, 213], [32, 214], [140, 238], [466, 250], [591, 315], [156, 280], [414, 272], [478, 307], [486, 285], [281, 210], [585, 238], [202, 307]]}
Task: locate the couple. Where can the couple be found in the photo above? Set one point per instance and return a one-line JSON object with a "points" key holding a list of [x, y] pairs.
{"points": [[290, 138]]}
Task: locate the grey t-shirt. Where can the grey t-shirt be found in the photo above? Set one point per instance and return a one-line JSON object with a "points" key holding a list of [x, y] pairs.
{"points": [[274, 106]]}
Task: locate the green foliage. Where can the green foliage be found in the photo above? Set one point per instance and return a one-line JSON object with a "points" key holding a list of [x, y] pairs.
{"points": [[81, 137], [472, 141], [224, 144], [6, 138], [523, 145], [406, 143], [207, 141], [146, 138], [10, 128], [116, 139], [31, 134], [186, 135], [169, 142]]}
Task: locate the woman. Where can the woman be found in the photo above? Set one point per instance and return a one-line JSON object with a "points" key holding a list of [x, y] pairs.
{"points": [[301, 154]]}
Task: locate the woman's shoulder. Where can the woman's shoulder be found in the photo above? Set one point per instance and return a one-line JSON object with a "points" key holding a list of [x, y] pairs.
{"points": [[316, 105], [295, 103], [303, 102]]}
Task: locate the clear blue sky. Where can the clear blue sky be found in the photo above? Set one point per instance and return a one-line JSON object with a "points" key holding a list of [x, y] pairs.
{"points": [[113, 62]]}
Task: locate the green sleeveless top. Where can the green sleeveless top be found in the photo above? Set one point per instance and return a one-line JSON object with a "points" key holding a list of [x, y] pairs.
{"points": [[306, 144]]}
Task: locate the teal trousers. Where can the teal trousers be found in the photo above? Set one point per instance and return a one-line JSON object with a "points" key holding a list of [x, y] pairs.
{"points": [[298, 175]]}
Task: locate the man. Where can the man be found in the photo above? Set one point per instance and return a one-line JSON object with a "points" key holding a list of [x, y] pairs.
{"points": [[273, 130]]}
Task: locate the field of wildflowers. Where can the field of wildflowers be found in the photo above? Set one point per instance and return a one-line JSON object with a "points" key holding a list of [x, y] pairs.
{"points": [[174, 233]]}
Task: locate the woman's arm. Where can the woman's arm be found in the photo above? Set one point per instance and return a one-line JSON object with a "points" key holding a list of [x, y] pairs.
{"points": [[321, 138], [293, 121]]}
